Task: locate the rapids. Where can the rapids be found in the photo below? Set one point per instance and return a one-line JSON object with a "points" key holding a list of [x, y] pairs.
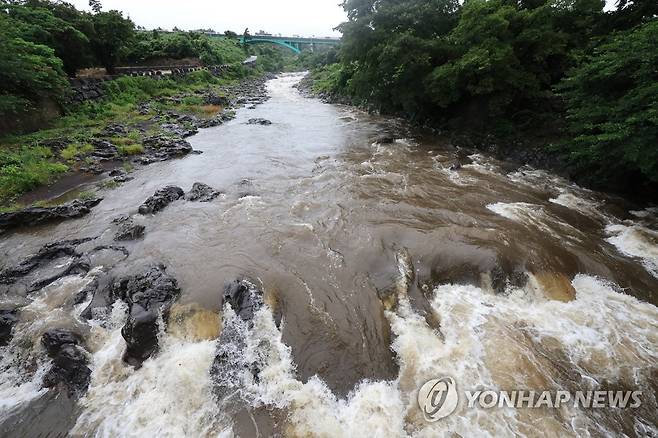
{"points": [[390, 264]]}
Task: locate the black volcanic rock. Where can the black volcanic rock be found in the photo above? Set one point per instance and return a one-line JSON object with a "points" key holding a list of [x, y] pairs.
{"points": [[32, 216], [244, 297], [129, 230], [147, 294], [202, 193], [70, 361], [54, 261], [8, 318], [160, 199], [259, 121]]}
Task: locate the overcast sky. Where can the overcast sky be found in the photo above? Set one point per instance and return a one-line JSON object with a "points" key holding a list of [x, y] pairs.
{"points": [[288, 17]]}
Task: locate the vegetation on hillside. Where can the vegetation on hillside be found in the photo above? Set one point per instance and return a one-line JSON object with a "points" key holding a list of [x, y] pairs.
{"points": [[43, 41], [157, 44], [513, 68], [29, 160]]}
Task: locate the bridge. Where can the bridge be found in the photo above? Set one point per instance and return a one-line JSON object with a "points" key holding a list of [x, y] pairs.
{"points": [[296, 44]]}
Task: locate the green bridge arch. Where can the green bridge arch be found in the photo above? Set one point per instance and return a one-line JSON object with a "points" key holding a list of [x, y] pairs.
{"points": [[289, 45]]}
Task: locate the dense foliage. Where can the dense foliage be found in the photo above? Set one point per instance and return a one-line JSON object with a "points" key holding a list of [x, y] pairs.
{"points": [[612, 101], [42, 41], [158, 45], [513, 67], [28, 71]]}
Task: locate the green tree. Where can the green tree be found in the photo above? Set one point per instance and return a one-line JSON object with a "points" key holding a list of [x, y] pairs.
{"points": [[612, 108], [509, 57], [391, 46], [112, 35], [28, 72], [55, 25], [95, 6]]}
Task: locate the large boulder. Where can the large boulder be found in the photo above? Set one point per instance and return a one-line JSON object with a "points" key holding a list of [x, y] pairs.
{"points": [[244, 297], [53, 340], [148, 295], [228, 367], [70, 361], [160, 199], [161, 148], [8, 318], [32, 216], [202, 193], [128, 229], [141, 335]]}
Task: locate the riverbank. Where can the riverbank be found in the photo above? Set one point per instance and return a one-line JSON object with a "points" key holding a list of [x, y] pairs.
{"points": [[539, 148], [141, 121]]}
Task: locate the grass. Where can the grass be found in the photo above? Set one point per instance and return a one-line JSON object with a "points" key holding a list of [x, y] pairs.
{"points": [[206, 111], [86, 195], [26, 168], [109, 184], [130, 149], [74, 150]]}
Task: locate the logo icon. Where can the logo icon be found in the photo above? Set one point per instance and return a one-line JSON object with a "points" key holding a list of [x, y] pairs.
{"points": [[438, 398]]}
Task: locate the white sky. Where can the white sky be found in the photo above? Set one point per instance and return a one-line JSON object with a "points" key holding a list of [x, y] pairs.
{"points": [[288, 17]]}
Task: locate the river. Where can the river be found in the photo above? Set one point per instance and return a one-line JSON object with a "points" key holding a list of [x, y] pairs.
{"points": [[390, 265]]}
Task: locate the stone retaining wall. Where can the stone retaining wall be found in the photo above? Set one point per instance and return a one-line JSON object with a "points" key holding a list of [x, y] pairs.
{"points": [[91, 89]]}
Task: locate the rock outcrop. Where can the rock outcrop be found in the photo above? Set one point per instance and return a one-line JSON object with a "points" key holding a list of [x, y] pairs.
{"points": [[179, 130], [128, 229], [244, 297], [57, 260], [160, 199], [148, 295], [70, 361], [202, 193], [32, 216], [259, 121], [8, 318], [67, 260], [162, 148]]}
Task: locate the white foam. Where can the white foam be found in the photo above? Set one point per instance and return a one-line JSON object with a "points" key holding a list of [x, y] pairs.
{"points": [[585, 206], [169, 396], [15, 389], [536, 216], [636, 241], [485, 341]]}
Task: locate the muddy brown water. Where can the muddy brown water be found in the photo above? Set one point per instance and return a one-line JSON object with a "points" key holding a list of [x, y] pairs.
{"points": [[327, 219]]}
